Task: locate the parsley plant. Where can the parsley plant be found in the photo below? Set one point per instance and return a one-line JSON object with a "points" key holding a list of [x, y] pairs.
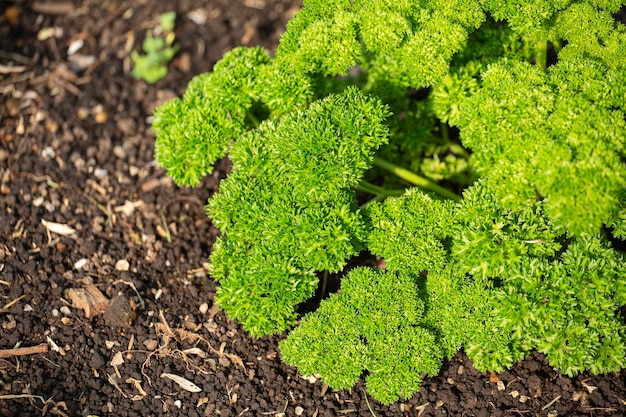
{"points": [[478, 148]]}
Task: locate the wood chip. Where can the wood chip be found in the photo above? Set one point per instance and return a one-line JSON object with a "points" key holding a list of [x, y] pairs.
{"points": [[255, 4], [49, 32], [58, 228], [13, 14], [89, 299], [150, 185], [128, 208], [7, 69], [182, 382], [53, 8]]}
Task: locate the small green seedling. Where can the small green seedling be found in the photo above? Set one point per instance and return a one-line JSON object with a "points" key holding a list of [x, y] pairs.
{"points": [[158, 49]]}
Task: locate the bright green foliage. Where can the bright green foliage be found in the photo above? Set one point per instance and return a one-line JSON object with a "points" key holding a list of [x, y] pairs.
{"points": [[410, 232], [617, 220], [566, 308], [371, 325], [403, 42], [288, 209], [518, 106], [560, 146], [196, 130], [414, 234], [560, 296], [151, 66], [491, 241]]}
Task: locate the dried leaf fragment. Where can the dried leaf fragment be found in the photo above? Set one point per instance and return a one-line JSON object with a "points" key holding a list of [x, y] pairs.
{"points": [[89, 299], [117, 359], [54, 346], [137, 385], [589, 388], [182, 382], [195, 351]]}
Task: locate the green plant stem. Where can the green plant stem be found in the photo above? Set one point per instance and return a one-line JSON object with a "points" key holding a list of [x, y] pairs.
{"points": [[558, 45], [253, 119], [415, 179], [373, 189], [542, 54], [445, 134], [324, 284]]}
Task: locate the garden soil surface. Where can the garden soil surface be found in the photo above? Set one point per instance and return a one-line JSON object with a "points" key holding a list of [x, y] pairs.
{"points": [[106, 305]]}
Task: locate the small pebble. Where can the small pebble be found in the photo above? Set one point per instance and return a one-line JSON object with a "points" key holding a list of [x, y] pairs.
{"points": [[80, 263], [122, 265], [48, 152], [101, 117], [204, 307], [150, 344], [299, 410], [75, 46], [100, 172], [119, 152]]}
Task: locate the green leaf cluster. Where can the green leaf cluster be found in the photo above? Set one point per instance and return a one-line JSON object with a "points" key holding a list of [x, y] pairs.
{"points": [[556, 144], [158, 50], [362, 133], [559, 295], [372, 325], [288, 208], [196, 130]]}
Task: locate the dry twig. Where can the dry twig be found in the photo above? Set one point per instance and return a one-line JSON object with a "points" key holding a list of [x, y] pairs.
{"points": [[30, 350]]}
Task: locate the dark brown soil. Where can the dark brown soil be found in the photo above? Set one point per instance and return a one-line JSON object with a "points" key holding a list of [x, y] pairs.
{"points": [[76, 150]]}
